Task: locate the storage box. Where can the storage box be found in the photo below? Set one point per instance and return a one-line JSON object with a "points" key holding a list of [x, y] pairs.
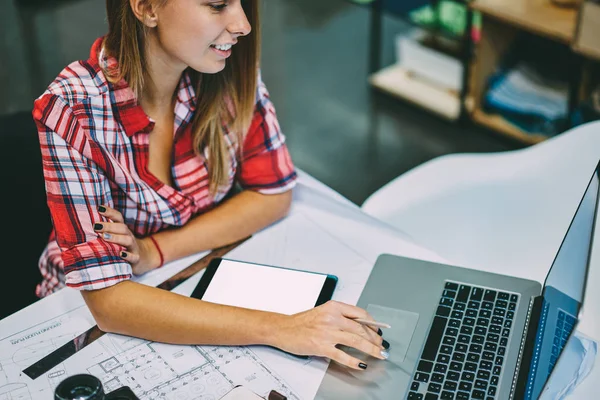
{"points": [[427, 63], [587, 37]]}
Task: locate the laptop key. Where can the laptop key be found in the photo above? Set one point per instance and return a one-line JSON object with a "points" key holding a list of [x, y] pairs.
{"points": [[494, 380], [464, 339], [500, 312], [476, 294], [488, 356], [501, 351], [460, 357], [450, 385], [466, 386], [514, 298], [472, 357], [503, 341], [469, 366], [485, 314], [449, 293], [483, 322], [499, 360], [469, 321], [440, 368], [425, 366], [421, 377], [459, 306], [431, 396], [497, 320], [461, 347], [486, 365], [463, 293], [415, 386], [446, 301], [495, 329], [447, 395], [486, 305], [474, 304], [512, 306], [476, 348], [507, 323], [457, 314], [497, 370], [443, 311], [501, 304], [414, 396], [446, 349], [503, 296], [434, 338], [448, 340], [492, 391], [489, 295], [451, 286], [478, 394], [468, 376], [454, 323], [492, 337], [443, 358], [453, 376], [478, 339], [462, 396], [434, 387], [467, 330], [480, 330], [456, 366], [481, 374], [471, 313], [451, 331], [439, 378], [510, 314], [480, 384], [505, 332]]}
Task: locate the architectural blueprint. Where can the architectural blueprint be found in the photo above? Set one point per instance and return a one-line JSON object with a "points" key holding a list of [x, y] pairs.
{"points": [[320, 234]]}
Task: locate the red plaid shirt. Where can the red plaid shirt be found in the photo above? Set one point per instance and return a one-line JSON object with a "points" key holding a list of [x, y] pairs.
{"points": [[94, 141]]}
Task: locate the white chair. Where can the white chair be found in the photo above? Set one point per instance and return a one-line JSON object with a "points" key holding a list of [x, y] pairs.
{"points": [[505, 211]]}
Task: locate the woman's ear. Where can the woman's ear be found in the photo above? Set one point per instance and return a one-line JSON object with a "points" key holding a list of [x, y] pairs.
{"points": [[144, 11]]}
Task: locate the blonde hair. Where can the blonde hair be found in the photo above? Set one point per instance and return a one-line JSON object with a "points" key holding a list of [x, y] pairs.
{"points": [[225, 99]]}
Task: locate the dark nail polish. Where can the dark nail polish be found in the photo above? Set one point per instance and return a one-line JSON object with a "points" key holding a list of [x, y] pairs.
{"points": [[379, 332], [102, 209], [362, 366], [123, 254], [385, 344], [98, 227]]}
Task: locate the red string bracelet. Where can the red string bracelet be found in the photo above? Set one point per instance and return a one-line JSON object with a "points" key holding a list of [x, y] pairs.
{"points": [[162, 258]]}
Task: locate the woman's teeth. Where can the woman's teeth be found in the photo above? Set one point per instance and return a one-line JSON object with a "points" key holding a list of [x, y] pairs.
{"points": [[223, 47]]}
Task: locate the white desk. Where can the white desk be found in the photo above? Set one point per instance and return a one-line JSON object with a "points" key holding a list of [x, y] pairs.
{"points": [[324, 232]]}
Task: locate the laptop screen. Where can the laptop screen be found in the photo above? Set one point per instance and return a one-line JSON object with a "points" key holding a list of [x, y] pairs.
{"points": [[564, 290]]}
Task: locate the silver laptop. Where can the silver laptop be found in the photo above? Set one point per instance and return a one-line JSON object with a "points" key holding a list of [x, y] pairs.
{"points": [[467, 334]]}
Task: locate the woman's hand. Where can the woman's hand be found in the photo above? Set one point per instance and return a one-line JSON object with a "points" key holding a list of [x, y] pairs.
{"points": [[140, 253], [320, 330]]}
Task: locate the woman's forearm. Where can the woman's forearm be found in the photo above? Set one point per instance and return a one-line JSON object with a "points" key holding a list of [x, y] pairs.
{"points": [[236, 219], [142, 311]]}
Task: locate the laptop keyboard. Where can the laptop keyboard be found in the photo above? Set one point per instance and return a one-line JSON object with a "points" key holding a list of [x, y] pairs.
{"points": [[466, 345], [564, 327]]}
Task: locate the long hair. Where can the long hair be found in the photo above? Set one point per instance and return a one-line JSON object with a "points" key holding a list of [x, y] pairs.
{"points": [[225, 100]]}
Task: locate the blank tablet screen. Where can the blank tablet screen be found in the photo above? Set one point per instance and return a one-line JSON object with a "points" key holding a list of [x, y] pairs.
{"points": [[261, 287]]}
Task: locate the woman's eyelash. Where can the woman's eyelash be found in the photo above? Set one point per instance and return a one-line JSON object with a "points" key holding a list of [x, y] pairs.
{"points": [[218, 7]]}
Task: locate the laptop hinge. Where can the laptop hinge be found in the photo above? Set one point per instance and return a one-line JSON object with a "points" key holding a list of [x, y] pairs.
{"points": [[526, 349]]}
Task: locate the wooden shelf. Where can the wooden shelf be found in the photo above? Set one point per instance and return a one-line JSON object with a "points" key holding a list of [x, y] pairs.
{"points": [[499, 124], [537, 16], [398, 82]]}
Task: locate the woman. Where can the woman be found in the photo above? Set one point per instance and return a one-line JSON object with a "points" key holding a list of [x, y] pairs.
{"points": [[142, 144]]}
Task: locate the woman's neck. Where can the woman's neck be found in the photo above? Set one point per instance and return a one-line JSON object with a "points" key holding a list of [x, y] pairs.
{"points": [[162, 78]]}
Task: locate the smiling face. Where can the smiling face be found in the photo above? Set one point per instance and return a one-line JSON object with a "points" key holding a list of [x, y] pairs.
{"points": [[200, 34]]}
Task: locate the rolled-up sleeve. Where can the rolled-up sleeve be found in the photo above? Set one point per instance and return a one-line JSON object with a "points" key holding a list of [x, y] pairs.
{"points": [[265, 163], [75, 187]]}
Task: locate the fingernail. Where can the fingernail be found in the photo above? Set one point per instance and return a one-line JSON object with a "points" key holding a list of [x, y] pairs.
{"points": [[123, 254], [380, 332], [385, 344], [102, 209], [98, 227], [362, 366], [385, 354], [107, 236]]}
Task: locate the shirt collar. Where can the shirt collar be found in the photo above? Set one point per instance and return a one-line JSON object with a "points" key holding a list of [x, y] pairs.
{"points": [[124, 102]]}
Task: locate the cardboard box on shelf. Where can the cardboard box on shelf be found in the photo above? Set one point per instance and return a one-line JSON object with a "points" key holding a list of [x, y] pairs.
{"points": [[587, 38]]}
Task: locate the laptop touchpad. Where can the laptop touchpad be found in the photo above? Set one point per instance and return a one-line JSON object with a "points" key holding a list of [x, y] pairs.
{"points": [[403, 325]]}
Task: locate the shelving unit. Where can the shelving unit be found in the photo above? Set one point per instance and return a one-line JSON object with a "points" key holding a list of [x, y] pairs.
{"points": [[399, 82]]}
